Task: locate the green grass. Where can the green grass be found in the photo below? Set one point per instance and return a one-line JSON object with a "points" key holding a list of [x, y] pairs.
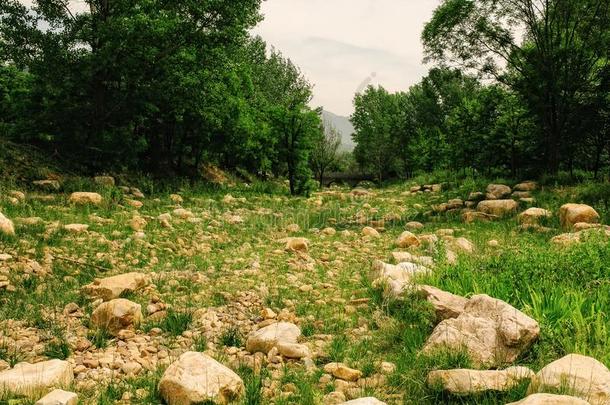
{"points": [[208, 266]]}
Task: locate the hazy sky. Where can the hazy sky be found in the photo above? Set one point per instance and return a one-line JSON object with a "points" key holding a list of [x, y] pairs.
{"points": [[340, 44]]}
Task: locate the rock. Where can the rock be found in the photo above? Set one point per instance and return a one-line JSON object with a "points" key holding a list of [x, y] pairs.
{"points": [[397, 278], [18, 195], [406, 257], [343, 372], [116, 315], [521, 194], [446, 305], [113, 287], [550, 399], [407, 239], [491, 331], [270, 336], [472, 216], [415, 189], [47, 185], [566, 239], [364, 401], [527, 186], [581, 376], [106, 181], [570, 214], [138, 223], [583, 226], [476, 196], [6, 226], [334, 398], [76, 228], [82, 198], [293, 228], [297, 244], [134, 203], [414, 226], [498, 207], [176, 199], [293, 350], [196, 378], [468, 382], [497, 192], [58, 397], [30, 380], [532, 216], [462, 245], [183, 213], [370, 232]]}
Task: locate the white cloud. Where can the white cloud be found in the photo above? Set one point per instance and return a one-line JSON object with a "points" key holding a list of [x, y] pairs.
{"points": [[339, 44]]}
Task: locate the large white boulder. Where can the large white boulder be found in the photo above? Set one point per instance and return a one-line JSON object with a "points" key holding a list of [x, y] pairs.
{"points": [[571, 214], [491, 331], [196, 378], [578, 375], [58, 397], [31, 380]]}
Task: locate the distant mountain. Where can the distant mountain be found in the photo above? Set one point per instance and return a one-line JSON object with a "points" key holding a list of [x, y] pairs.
{"points": [[345, 128]]}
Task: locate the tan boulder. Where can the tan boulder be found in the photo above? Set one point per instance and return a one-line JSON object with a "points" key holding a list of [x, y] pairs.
{"points": [[271, 336], [570, 214], [533, 216], [491, 331], [183, 213], [473, 216], [370, 232], [498, 207], [105, 181], [406, 257], [414, 225], [526, 186], [6, 226], [446, 305], [196, 378], [468, 382], [47, 185], [407, 239], [342, 372], [297, 244], [58, 397], [137, 223], [293, 350], [550, 399], [462, 245], [83, 198], [31, 380], [116, 315], [176, 198], [110, 288], [76, 228], [497, 191], [581, 376]]}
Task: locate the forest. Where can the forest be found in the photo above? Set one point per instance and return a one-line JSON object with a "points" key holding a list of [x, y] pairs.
{"points": [[517, 87]]}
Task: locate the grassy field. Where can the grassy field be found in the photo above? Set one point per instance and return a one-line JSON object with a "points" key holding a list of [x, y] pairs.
{"points": [[228, 263]]}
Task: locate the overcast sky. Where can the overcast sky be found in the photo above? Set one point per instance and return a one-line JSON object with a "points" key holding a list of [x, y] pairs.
{"points": [[341, 44]]}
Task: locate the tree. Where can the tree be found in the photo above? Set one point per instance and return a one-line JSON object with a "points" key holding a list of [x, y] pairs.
{"points": [[325, 150], [563, 49], [377, 120]]}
